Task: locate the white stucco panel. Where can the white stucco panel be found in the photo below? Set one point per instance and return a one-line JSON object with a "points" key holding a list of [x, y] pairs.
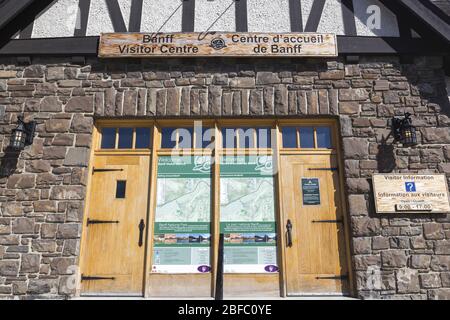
{"points": [[388, 21], [100, 20], [162, 16], [268, 16], [215, 15], [58, 21], [331, 21]]}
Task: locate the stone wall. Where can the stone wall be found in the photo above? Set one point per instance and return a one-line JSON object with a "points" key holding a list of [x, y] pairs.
{"points": [[42, 189]]}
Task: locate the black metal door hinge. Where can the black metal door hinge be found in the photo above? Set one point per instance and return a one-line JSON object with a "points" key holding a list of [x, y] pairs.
{"points": [[93, 278], [327, 221], [89, 221], [94, 170], [323, 169], [337, 277]]}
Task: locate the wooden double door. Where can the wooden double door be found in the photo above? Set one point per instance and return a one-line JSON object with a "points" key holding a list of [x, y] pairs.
{"points": [[311, 245]]}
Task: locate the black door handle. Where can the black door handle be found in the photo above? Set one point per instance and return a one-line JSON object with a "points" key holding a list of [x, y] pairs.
{"points": [[289, 233], [141, 232]]}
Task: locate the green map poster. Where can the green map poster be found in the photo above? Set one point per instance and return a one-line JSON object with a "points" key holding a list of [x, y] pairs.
{"points": [[247, 214], [182, 234]]}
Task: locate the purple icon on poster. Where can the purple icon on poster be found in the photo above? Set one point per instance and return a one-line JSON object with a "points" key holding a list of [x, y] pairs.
{"points": [[271, 268], [204, 269]]}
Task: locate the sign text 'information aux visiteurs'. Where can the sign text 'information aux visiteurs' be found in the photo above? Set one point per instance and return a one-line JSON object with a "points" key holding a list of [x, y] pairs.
{"points": [[119, 45]]}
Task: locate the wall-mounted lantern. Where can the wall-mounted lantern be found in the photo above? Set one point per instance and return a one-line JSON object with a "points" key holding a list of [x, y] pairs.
{"points": [[23, 135], [404, 131]]}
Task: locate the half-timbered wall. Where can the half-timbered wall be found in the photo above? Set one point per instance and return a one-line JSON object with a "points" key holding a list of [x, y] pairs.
{"points": [[66, 18]]}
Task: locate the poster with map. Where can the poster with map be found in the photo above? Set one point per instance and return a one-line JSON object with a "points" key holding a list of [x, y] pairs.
{"points": [[247, 214], [182, 234]]}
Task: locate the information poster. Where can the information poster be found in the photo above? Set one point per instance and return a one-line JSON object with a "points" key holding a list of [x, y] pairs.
{"points": [[247, 214], [182, 234], [311, 191]]}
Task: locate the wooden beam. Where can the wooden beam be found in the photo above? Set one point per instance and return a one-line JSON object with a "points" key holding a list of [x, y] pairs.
{"points": [[136, 16], [88, 46], [83, 12], [295, 14], [116, 16], [315, 16], [241, 16], [348, 15], [188, 16], [11, 9]]}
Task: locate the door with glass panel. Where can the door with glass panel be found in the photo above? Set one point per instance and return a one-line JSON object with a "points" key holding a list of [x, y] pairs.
{"points": [[182, 234], [315, 249], [247, 215], [114, 234]]}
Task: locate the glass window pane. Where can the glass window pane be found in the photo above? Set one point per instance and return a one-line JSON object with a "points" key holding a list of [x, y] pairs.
{"points": [[264, 136], [125, 138], [121, 189], [168, 138], [229, 138], [185, 136], [205, 138], [246, 138], [289, 137], [323, 137], [143, 136], [307, 137], [108, 138]]}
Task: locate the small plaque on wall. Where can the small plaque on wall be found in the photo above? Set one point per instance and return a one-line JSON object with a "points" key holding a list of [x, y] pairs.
{"points": [[311, 191], [411, 193]]}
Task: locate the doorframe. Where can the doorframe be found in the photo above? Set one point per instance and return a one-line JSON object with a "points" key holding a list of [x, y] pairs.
{"points": [[217, 124]]}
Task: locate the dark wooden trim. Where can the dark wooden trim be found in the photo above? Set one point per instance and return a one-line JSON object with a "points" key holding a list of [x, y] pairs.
{"points": [[314, 16], [116, 16], [348, 15], [295, 14], [11, 8], [27, 32], [136, 16], [188, 16], [241, 15], [83, 11], [424, 13], [88, 46]]}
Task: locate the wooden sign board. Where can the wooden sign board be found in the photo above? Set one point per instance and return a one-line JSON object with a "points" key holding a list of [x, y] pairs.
{"points": [[215, 44], [411, 193]]}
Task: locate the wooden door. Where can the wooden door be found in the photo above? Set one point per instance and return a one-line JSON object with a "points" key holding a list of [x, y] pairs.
{"points": [[115, 242], [316, 259]]}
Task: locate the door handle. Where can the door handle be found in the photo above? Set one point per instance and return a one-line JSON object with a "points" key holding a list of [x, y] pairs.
{"points": [[141, 232], [289, 233]]}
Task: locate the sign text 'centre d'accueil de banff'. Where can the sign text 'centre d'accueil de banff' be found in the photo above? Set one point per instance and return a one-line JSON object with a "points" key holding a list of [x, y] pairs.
{"points": [[115, 45]]}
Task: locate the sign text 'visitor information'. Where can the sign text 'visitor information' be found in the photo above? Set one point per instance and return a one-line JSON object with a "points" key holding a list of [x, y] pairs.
{"points": [[116, 45], [411, 193]]}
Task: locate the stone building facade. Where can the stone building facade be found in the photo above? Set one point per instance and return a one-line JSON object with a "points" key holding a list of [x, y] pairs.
{"points": [[42, 190]]}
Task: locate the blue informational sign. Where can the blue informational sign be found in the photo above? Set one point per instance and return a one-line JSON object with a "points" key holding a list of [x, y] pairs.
{"points": [[410, 187]]}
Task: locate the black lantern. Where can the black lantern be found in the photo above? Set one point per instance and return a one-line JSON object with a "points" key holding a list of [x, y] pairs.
{"points": [[404, 131], [23, 135]]}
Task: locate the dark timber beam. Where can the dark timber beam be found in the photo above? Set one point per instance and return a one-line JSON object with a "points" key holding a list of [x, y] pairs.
{"points": [[188, 16], [10, 9], [116, 16], [241, 16], [315, 16], [136, 16], [348, 15], [84, 7], [88, 46], [295, 14]]}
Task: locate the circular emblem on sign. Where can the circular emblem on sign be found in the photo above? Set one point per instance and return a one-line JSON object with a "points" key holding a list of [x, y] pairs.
{"points": [[204, 269], [271, 268], [218, 43]]}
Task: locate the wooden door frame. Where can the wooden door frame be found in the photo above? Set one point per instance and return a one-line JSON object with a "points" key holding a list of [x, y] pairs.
{"points": [[218, 124]]}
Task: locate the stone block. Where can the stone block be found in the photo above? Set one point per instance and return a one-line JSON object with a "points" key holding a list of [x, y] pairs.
{"points": [[365, 226], [30, 263], [80, 104], [433, 231], [50, 104], [407, 281], [394, 258], [264, 78], [23, 226]]}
